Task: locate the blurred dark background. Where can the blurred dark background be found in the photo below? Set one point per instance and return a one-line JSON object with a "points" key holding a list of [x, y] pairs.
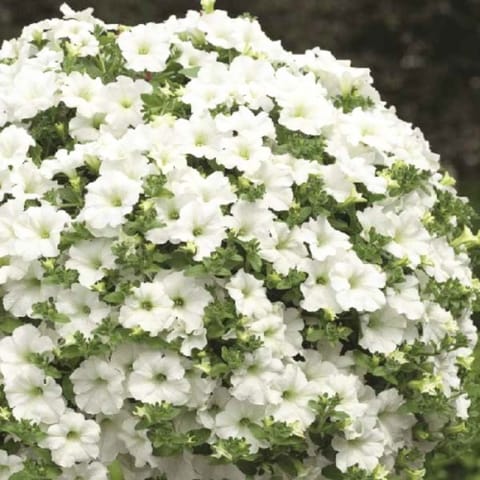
{"points": [[424, 54]]}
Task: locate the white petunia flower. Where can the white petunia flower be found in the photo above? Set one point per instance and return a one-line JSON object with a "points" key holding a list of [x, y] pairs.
{"points": [[210, 88], [446, 367], [10, 211], [188, 296], [443, 263], [234, 420], [90, 258], [14, 145], [17, 349], [148, 308], [436, 323], [253, 381], [158, 378], [21, 295], [84, 471], [250, 220], [323, 240], [192, 57], [393, 423], [304, 106], [123, 102], [358, 168], [12, 268], [197, 136], [168, 213], [38, 232], [82, 92], [109, 199], [317, 290], [201, 224], [462, 405], [409, 238], [29, 182], [136, 442], [206, 469], [98, 386], [83, 308], [337, 183], [28, 98], [251, 80], [145, 47], [358, 285], [283, 247], [277, 180], [295, 392], [246, 123], [110, 443], [219, 28], [348, 388], [363, 445], [125, 155], [249, 294], [215, 189], [382, 331], [73, 439], [33, 396], [271, 329], [244, 153], [405, 299]]}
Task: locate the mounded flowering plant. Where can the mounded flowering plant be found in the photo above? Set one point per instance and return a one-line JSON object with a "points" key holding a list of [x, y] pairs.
{"points": [[220, 260]]}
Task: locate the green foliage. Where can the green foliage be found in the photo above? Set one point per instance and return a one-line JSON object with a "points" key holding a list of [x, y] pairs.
{"points": [[50, 132], [451, 295], [404, 178], [300, 145], [449, 206], [312, 195], [457, 457], [157, 420], [351, 100]]}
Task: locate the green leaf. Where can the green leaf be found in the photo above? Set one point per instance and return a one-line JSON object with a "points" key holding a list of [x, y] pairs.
{"points": [[191, 72], [351, 100], [115, 298], [115, 471]]}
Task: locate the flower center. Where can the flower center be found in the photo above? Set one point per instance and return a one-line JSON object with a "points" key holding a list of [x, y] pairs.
{"points": [[73, 435], [143, 49], [36, 392], [178, 301], [116, 201], [146, 305], [173, 215], [101, 381], [4, 261], [197, 231], [200, 140], [288, 395], [244, 422], [126, 103], [354, 281], [44, 233]]}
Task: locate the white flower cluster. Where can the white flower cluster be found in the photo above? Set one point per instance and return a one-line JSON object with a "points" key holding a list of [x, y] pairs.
{"points": [[220, 260]]}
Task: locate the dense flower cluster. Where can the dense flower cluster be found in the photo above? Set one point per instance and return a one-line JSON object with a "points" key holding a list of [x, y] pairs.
{"points": [[220, 260]]}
